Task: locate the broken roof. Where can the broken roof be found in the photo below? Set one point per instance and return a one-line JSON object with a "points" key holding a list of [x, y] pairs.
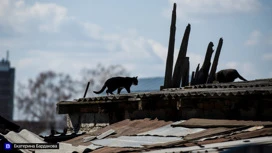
{"points": [[126, 135]]}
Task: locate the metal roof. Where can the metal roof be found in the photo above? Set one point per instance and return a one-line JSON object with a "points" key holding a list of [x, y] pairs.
{"points": [[133, 141], [208, 123], [169, 130], [255, 87], [123, 128], [217, 146], [161, 135], [133, 127]]}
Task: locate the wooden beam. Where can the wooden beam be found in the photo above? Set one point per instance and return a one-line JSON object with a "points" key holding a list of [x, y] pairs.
{"points": [[215, 61], [204, 71], [185, 76], [180, 67], [170, 55], [196, 74], [86, 90], [192, 78]]}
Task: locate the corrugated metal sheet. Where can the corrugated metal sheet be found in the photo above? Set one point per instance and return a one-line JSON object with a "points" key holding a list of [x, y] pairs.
{"points": [[123, 128], [105, 134], [88, 138], [218, 146], [251, 134], [159, 131], [208, 132], [24, 136], [133, 141], [209, 123], [116, 150], [132, 127], [168, 130], [255, 87]]}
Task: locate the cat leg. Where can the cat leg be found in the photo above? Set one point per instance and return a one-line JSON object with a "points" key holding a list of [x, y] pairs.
{"points": [[128, 89], [110, 90], [119, 90]]}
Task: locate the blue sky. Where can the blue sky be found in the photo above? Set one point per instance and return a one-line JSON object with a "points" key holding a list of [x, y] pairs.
{"points": [[66, 36]]}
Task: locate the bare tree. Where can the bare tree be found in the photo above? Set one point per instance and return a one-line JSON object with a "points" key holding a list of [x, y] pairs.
{"points": [[37, 99], [99, 75]]}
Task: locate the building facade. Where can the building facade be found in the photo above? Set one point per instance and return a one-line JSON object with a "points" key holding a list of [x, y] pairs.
{"points": [[7, 77]]}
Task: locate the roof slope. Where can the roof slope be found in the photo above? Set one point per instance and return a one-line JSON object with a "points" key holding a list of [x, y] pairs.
{"points": [[169, 135], [256, 87]]}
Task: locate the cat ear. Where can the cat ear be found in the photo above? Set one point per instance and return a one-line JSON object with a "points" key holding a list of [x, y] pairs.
{"points": [[136, 77]]}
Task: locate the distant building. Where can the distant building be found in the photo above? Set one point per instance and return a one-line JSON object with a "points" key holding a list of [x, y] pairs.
{"points": [[7, 76]]}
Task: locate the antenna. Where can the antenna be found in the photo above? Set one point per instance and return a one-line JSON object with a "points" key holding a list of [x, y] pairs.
{"points": [[7, 55]]}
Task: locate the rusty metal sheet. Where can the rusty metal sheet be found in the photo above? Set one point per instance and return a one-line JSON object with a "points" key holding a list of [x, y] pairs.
{"points": [[122, 128], [209, 123], [205, 142], [221, 145], [208, 132], [88, 138], [133, 141], [115, 150], [197, 136], [168, 130], [252, 134], [105, 134], [132, 127]]}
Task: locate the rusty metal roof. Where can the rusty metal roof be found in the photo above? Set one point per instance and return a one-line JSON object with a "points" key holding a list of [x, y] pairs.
{"points": [[123, 128], [209, 123], [216, 147], [169, 130], [144, 134]]}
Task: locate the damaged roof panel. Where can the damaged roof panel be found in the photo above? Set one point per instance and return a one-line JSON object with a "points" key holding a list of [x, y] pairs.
{"points": [[218, 146], [133, 141], [123, 128], [168, 130], [166, 135], [209, 123], [132, 127]]}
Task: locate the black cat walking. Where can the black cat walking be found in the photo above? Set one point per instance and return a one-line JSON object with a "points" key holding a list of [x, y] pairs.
{"points": [[118, 83]]}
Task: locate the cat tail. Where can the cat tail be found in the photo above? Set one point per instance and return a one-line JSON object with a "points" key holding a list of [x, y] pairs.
{"points": [[240, 77], [103, 88]]}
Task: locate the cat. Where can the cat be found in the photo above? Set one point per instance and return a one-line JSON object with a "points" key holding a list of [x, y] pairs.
{"points": [[118, 83], [228, 75]]}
